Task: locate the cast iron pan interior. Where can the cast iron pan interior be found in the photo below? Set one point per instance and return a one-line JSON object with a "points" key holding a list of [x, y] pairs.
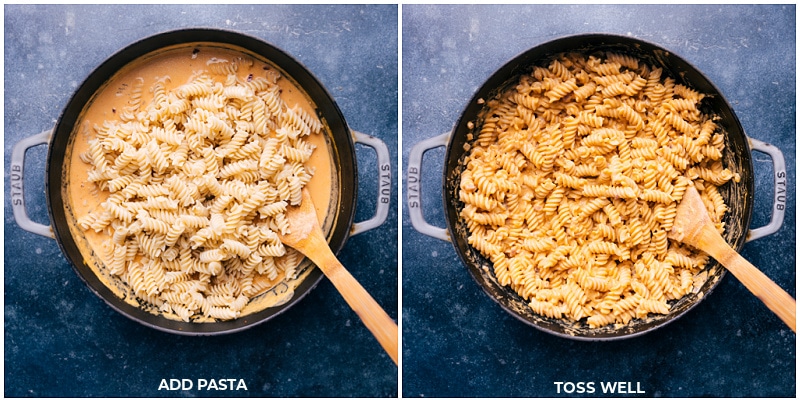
{"points": [[343, 154], [738, 196]]}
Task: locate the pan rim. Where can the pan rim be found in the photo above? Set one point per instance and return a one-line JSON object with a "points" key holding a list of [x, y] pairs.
{"points": [[508, 72], [340, 139]]}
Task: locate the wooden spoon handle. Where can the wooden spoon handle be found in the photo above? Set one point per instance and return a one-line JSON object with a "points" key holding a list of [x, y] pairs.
{"points": [[773, 296], [372, 315]]}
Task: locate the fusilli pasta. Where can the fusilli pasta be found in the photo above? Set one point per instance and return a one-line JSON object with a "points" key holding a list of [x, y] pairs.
{"points": [[571, 183], [198, 181]]}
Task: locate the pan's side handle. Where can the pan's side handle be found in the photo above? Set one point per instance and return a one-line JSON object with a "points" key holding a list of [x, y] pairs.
{"points": [[384, 183], [413, 183], [17, 176], [779, 202]]}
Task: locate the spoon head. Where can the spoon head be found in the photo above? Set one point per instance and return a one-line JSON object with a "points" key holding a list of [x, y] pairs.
{"points": [[302, 221], [691, 215]]}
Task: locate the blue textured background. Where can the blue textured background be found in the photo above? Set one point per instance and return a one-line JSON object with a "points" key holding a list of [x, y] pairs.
{"points": [[61, 340], [458, 342]]}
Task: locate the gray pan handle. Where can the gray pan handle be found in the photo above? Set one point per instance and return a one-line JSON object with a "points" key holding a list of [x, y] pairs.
{"points": [[779, 202], [17, 176], [413, 183], [384, 183]]}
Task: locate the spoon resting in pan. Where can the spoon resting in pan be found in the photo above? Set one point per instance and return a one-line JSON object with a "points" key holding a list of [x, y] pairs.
{"points": [[694, 227], [306, 237]]}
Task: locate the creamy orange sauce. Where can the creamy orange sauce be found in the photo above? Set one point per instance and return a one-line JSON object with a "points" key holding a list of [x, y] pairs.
{"points": [[177, 66]]}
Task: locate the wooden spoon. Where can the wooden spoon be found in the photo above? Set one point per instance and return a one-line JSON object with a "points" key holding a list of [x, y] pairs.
{"points": [[306, 237], [694, 227]]}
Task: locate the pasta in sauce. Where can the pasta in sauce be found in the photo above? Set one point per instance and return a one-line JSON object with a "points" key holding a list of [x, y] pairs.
{"points": [[571, 185], [191, 177]]}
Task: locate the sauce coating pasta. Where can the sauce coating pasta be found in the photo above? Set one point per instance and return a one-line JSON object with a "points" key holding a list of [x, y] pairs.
{"points": [[572, 180]]}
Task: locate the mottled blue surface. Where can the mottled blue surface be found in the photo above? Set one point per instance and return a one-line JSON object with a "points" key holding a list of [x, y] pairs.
{"points": [[61, 340], [458, 342]]}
